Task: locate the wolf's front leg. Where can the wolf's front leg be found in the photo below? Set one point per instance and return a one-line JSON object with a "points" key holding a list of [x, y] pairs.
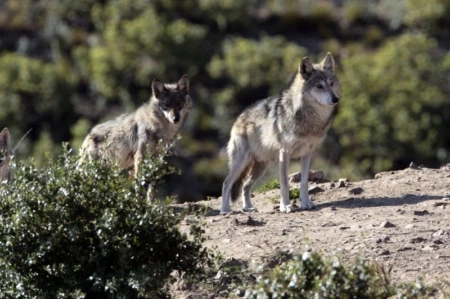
{"points": [[285, 204], [306, 204]]}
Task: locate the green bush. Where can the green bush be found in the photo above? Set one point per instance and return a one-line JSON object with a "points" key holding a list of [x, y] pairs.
{"points": [[309, 276], [391, 112], [90, 232]]}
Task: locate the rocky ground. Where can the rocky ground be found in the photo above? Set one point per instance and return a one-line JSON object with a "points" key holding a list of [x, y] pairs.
{"points": [[399, 219]]}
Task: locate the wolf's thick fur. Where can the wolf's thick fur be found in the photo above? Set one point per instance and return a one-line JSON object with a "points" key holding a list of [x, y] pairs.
{"points": [[5, 155], [282, 127], [126, 138]]}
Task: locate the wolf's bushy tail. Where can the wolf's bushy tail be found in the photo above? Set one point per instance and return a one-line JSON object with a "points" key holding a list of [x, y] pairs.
{"points": [[236, 189], [238, 151]]}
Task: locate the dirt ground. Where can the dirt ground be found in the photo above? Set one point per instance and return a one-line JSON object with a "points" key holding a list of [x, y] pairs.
{"points": [[400, 219]]}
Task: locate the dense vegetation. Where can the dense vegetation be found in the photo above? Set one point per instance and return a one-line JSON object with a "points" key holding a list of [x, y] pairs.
{"points": [[90, 233], [66, 65], [311, 276]]}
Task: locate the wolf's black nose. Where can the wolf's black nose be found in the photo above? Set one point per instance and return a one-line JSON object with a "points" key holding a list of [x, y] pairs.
{"points": [[335, 99], [176, 119]]}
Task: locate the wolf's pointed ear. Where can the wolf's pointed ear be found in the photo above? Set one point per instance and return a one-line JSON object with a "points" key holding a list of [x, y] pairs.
{"points": [[4, 137], [157, 87], [327, 63], [183, 84], [305, 68]]}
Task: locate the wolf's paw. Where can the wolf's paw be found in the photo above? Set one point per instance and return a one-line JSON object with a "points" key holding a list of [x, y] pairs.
{"points": [[307, 205], [249, 209], [286, 209]]}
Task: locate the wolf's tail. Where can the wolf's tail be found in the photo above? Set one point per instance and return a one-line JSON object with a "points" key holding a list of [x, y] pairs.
{"points": [[236, 189]]}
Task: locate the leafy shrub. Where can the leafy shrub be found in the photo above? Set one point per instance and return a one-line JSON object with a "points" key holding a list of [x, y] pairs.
{"points": [[380, 121], [309, 276], [90, 232]]}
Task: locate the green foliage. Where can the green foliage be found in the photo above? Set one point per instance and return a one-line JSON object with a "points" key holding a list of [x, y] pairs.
{"points": [[391, 101], [271, 60], [429, 15], [67, 65], [271, 185], [68, 232], [310, 276]]}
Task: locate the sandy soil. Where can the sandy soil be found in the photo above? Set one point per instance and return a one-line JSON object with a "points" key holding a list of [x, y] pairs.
{"points": [[400, 219]]}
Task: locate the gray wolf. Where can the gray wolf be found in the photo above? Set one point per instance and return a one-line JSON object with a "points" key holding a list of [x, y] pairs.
{"points": [[5, 155], [283, 127], [126, 138]]}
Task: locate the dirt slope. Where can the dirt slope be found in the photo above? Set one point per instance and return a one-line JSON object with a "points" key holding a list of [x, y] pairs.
{"points": [[399, 218]]}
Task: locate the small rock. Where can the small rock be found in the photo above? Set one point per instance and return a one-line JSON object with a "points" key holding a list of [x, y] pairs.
{"points": [[443, 256], [329, 224], [315, 189], [239, 292], [191, 219], [387, 224], [413, 269], [440, 204], [224, 294], [405, 248], [333, 208], [384, 252], [421, 213], [412, 165], [409, 226], [313, 176], [445, 199], [430, 247], [417, 240], [344, 227], [378, 175], [341, 184], [445, 167], [385, 239], [438, 241], [332, 185], [356, 191], [438, 233], [219, 275]]}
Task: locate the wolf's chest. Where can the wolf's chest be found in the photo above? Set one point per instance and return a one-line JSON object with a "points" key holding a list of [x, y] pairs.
{"points": [[301, 146], [170, 130]]}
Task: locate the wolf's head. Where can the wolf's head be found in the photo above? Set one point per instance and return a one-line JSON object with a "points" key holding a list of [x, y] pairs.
{"points": [[320, 81], [5, 154], [171, 98]]}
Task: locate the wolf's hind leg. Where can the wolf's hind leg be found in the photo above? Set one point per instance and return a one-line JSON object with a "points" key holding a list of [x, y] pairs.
{"points": [[258, 170]]}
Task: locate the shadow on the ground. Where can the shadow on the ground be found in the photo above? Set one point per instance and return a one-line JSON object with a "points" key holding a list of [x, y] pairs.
{"points": [[359, 202]]}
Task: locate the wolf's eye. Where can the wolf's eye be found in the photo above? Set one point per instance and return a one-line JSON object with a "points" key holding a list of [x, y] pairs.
{"points": [[319, 86], [332, 83]]}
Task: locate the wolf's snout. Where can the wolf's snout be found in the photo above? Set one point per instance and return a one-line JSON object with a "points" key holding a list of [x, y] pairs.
{"points": [[335, 99], [176, 119]]}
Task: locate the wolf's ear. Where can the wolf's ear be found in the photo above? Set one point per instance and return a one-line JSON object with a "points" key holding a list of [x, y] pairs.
{"points": [[4, 137], [327, 63], [305, 68], [183, 84], [157, 87]]}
